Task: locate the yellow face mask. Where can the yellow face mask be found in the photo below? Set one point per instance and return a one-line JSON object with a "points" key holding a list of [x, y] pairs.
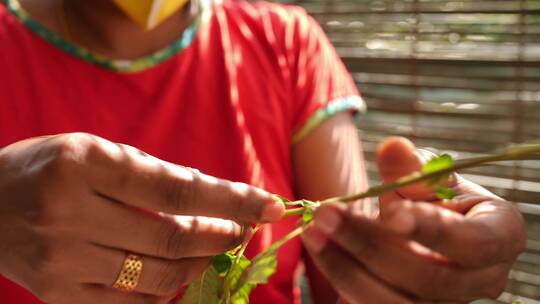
{"points": [[150, 13]]}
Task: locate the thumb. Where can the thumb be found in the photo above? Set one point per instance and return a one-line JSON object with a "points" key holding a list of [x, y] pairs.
{"points": [[398, 157]]}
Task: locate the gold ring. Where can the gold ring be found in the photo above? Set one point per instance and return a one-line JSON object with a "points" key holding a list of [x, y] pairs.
{"points": [[129, 275]]}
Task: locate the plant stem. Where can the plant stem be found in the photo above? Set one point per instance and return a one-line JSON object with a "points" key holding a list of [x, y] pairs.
{"points": [[239, 255], [518, 152], [297, 211], [291, 235]]}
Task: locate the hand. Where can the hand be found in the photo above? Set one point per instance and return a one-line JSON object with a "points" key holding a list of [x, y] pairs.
{"points": [[423, 252], [72, 205]]}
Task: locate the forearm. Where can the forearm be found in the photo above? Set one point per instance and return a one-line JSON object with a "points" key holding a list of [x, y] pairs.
{"points": [[329, 163]]}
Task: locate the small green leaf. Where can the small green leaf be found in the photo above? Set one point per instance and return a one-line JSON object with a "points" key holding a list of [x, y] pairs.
{"points": [[445, 193], [307, 216], [261, 268], [306, 203], [222, 263], [241, 280], [286, 201], [205, 289], [282, 199], [258, 272], [518, 301], [438, 163]]}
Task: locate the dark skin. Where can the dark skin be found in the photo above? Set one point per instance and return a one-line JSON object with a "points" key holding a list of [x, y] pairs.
{"points": [[72, 205], [420, 250]]}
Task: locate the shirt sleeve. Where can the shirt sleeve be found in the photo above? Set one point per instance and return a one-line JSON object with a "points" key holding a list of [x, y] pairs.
{"points": [[322, 85]]}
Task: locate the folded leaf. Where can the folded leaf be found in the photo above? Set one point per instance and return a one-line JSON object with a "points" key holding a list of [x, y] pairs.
{"points": [[307, 216], [231, 283], [222, 263], [438, 163], [261, 269], [445, 193], [282, 198]]}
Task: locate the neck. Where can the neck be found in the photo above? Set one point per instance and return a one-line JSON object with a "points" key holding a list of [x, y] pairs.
{"points": [[101, 27]]}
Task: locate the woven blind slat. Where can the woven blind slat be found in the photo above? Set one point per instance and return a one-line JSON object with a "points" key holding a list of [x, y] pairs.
{"points": [[461, 77]]}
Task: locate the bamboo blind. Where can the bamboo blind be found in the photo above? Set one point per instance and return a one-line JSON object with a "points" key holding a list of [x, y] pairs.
{"points": [[461, 77]]}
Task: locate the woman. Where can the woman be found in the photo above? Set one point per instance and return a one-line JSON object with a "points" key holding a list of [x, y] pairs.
{"points": [[252, 93]]}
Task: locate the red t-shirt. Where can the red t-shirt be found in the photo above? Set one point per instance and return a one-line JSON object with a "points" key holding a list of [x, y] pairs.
{"points": [[229, 98]]}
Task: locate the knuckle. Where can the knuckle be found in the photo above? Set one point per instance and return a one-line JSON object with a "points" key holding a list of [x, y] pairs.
{"points": [[238, 200], [243, 201], [102, 153], [180, 193], [171, 240], [59, 163], [66, 154], [63, 161], [72, 148]]}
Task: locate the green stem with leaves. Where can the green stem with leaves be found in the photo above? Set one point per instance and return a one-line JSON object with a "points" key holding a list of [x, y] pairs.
{"points": [[518, 152], [264, 265]]}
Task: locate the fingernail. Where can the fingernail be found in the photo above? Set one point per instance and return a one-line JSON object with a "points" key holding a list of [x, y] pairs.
{"points": [[273, 212], [314, 239], [327, 220], [401, 222]]}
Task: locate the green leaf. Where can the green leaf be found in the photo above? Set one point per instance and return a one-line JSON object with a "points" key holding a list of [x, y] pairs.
{"points": [[241, 296], [307, 216], [261, 268], [445, 193], [306, 203], [287, 202], [282, 199], [233, 276], [222, 263], [258, 272], [205, 289], [438, 163], [518, 301]]}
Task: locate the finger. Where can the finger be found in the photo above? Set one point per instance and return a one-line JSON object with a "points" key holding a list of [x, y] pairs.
{"points": [[115, 225], [467, 197], [101, 265], [132, 177], [91, 294], [477, 239], [351, 280], [391, 258], [159, 277], [397, 157]]}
